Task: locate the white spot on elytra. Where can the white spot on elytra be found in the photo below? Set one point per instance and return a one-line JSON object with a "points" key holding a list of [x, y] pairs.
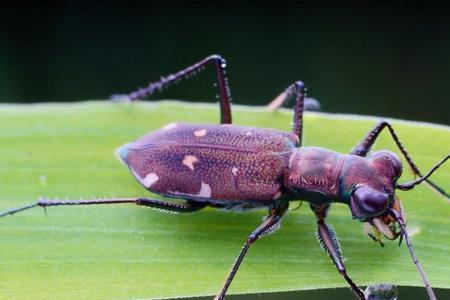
{"points": [[149, 179], [277, 195], [200, 133], [234, 170], [170, 126], [189, 161], [205, 191]]}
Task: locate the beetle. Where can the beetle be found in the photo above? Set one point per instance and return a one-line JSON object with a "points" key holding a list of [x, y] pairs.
{"points": [[227, 166]]}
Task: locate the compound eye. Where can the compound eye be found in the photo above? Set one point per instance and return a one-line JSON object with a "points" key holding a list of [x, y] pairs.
{"points": [[366, 203]]}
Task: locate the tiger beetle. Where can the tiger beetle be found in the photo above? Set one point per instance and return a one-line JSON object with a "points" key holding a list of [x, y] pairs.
{"points": [[235, 167]]}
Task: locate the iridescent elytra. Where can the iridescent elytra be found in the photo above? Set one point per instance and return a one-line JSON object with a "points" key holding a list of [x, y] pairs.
{"points": [[228, 166]]}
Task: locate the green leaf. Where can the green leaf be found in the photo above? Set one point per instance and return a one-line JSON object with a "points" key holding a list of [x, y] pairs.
{"points": [[128, 252]]}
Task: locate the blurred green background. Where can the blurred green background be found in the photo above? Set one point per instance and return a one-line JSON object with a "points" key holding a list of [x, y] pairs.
{"points": [[386, 59]]}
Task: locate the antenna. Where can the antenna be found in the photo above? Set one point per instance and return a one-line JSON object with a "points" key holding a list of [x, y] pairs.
{"points": [[409, 185], [404, 233]]}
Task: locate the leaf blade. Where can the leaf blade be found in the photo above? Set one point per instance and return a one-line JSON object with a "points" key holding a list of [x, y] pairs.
{"points": [[129, 252]]}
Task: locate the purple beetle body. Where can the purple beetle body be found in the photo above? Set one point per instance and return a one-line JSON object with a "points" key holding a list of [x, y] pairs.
{"points": [[246, 167]]}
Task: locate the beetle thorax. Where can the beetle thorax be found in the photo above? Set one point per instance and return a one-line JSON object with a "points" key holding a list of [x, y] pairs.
{"points": [[314, 174]]}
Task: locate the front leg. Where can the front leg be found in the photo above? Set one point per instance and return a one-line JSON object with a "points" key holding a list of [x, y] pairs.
{"points": [[364, 146], [329, 242]]}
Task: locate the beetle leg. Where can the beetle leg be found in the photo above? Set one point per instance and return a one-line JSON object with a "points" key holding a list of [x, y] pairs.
{"points": [[363, 148], [296, 91], [224, 93], [173, 207], [329, 242], [283, 100], [270, 222]]}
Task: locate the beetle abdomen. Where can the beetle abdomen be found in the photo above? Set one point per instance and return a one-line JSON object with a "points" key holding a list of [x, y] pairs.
{"points": [[220, 163]]}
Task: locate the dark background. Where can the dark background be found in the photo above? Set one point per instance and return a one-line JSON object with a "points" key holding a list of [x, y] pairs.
{"points": [[388, 59]]}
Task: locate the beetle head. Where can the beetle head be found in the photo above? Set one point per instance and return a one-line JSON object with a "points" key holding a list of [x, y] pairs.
{"points": [[373, 197], [374, 201]]}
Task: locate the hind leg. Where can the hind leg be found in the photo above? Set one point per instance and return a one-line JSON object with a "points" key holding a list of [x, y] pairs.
{"points": [[173, 207], [224, 93]]}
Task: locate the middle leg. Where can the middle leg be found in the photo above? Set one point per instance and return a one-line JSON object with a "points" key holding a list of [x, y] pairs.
{"points": [[282, 100], [328, 241], [296, 91]]}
